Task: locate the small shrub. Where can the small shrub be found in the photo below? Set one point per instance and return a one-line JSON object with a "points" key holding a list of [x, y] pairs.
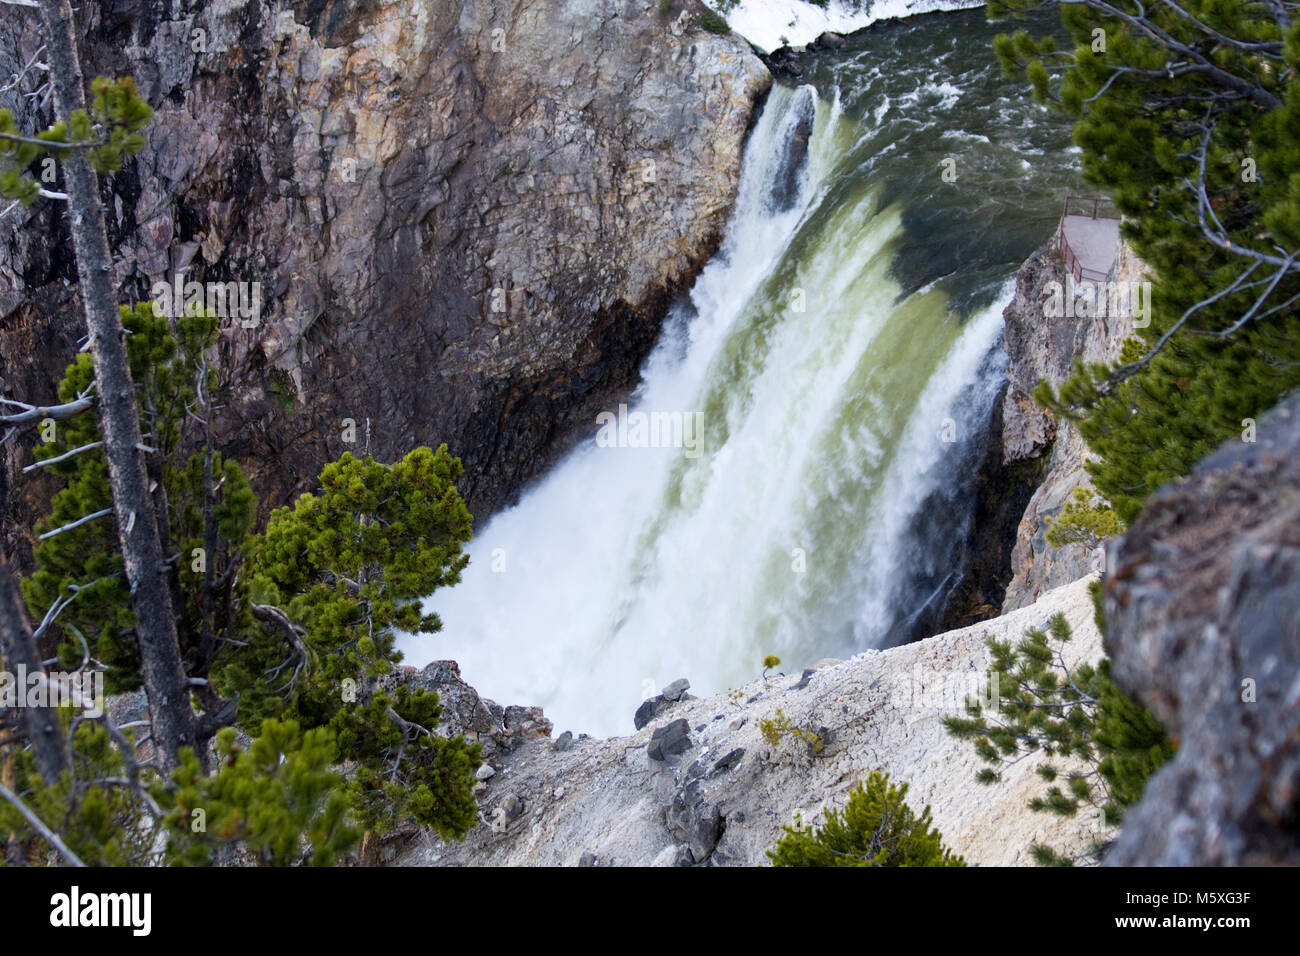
{"points": [[779, 726], [876, 828], [1086, 519], [1109, 744], [713, 22]]}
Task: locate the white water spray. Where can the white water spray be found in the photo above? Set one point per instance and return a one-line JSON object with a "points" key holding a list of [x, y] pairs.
{"points": [[826, 399]]}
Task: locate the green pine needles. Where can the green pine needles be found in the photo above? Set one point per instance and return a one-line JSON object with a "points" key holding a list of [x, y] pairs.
{"points": [[288, 635], [1100, 745], [1195, 137], [108, 131], [84, 565], [876, 828], [1085, 520]]}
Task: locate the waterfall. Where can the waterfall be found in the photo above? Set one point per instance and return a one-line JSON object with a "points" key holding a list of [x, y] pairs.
{"points": [[793, 474]]}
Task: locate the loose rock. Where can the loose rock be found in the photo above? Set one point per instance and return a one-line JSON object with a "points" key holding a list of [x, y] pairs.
{"points": [[670, 740], [675, 690]]}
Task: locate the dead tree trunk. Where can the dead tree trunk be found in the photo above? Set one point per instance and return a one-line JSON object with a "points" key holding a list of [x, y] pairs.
{"points": [[164, 677], [18, 648]]}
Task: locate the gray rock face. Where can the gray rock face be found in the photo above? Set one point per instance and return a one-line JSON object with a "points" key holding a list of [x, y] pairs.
{"points": [[1040, 347], [1203, 614], [499, 729], [466, 218]]}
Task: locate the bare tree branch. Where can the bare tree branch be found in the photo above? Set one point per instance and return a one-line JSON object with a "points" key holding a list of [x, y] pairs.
{"points": [[74, 524], [46, 462], [50, 836], [36, 413]]}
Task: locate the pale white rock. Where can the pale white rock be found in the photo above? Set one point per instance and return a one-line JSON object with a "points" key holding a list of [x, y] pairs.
{"points": [[617, 803]]}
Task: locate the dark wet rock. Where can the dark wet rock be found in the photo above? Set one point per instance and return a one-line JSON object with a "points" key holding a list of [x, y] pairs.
{"points": [[649, 710], [785, 185], [694, 821]]}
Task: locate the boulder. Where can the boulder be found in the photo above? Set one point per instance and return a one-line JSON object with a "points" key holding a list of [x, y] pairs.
{"points": [[694, 821], [669, 740], [675, 690], [1203, 626]]}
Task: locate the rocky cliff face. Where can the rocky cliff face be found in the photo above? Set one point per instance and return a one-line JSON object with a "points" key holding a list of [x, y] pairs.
{"points": [[1040, 346], [700, 784], [1203, 627], [465, 219]]}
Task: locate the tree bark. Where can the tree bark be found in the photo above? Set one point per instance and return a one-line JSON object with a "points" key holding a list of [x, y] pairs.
{"points": [[18, 648], [174, 724]]}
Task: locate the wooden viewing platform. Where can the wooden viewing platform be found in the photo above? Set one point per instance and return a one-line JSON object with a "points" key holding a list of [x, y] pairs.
{"points": [[1089, 237]]}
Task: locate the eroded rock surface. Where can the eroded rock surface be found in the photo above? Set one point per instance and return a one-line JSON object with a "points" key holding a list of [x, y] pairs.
{"points": [[1040, 347], [722, 792]]}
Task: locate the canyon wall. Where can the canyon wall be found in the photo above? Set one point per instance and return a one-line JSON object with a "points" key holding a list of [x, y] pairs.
{"points": [[1042, 346], [466, 220]]}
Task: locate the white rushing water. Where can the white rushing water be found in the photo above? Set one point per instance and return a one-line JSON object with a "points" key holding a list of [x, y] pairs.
{"points": [[769, 24], [824, 399]]}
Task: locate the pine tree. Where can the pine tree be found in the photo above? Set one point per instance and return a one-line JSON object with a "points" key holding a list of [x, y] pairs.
{"points": [[84, 564], [292, 631], [876, 828], [349, 566], [141, 570], [103, 134], [1100, 745]]}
